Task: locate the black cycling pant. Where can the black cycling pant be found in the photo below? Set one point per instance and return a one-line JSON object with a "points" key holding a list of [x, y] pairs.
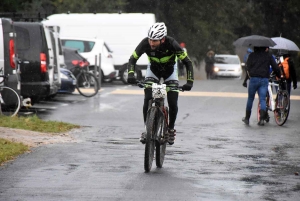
{"points": [[172, 97]]}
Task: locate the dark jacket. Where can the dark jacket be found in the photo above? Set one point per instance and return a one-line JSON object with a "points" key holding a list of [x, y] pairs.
{"points": [[162, 59], [258, 65]]}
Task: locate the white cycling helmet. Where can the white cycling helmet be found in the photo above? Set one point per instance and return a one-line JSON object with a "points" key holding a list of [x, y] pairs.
{"points": [[157, 31]]}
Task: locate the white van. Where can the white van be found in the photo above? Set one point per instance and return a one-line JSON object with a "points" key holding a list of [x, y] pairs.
{"points": [[122, 32]]}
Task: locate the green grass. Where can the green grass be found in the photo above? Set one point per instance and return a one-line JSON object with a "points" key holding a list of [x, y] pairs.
{"points": [[34, 123], [9, 150]]}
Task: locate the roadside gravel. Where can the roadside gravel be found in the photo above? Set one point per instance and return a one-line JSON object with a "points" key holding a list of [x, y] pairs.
{"points": [[34, 139]]}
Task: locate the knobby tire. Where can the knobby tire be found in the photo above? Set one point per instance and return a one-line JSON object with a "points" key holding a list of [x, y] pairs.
{"points": [[150, 138], [10, 101], [87, 84], [161, 144]]}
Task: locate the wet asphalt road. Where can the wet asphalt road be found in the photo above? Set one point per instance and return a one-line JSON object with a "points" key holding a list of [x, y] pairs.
{"points": [[215, 156]]}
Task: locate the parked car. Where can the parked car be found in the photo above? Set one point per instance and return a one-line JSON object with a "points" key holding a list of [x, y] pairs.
{"points": [[73, 60], [68, 81], [227, 66], [89, 48]]}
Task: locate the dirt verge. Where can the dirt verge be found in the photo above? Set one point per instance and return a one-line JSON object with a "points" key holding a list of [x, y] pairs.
{"points": [[32, 138]]}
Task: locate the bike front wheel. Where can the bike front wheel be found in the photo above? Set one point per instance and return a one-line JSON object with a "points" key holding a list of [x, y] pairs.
{"points": [[10, 101], [282, 107], [150, 139], [87, 84], [161, 143]]}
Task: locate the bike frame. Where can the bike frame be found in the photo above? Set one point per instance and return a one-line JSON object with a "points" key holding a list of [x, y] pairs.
{"points": [[158, 101]]}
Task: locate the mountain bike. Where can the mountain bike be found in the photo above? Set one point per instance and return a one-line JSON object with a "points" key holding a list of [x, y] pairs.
{"points": [[156, 126], [87, 83], [280, 105], [9, 99]]}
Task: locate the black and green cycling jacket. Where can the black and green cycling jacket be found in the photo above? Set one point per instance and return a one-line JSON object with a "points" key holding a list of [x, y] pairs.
{"points": [[163, 58]]}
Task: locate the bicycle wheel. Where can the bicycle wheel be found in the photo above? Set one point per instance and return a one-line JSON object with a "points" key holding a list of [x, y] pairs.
{"points": [[150, 139], [87, 84], [10, 101], [161, 143], [282, 107]]}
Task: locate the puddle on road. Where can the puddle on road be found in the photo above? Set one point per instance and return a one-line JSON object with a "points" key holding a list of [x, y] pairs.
{"points": [[218, 139], [173, 152], [216, 146], [122, 141], [249, 156]]}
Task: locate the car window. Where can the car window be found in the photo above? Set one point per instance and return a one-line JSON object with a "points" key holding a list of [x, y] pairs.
{"points": [[79, 45], [91, 45], [227, 60], [76, 44]]}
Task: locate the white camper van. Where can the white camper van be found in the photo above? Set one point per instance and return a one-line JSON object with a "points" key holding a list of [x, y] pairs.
{"points": [[122, 32]]}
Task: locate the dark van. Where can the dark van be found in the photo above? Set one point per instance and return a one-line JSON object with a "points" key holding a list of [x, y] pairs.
{"points": [[8, 64], [32, 50]]}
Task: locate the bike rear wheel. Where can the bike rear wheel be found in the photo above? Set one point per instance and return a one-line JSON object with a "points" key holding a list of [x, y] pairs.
{"points": [[150, 139], [161, 143], [87, 84], [282, 107], [10, 101]]}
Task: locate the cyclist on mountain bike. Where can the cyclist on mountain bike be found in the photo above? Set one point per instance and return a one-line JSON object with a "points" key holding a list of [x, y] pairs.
{"points": [[163, 52]]}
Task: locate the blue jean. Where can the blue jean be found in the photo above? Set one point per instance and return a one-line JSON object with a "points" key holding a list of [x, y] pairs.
{"points": [[259, 85]]}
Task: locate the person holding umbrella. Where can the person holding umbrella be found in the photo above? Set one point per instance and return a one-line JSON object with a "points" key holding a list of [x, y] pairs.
{"points": [[258, 70]]}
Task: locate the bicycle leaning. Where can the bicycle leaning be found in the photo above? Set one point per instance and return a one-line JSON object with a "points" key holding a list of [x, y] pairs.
{"points": [[281, 104], [9, 99], [156, 126], [87, 83]]}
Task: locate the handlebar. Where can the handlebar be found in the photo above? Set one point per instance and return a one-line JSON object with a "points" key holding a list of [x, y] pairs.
{"points": [[142, 85]]}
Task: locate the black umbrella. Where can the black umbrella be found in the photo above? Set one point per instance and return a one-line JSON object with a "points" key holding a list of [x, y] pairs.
{"points": [[254, 41]]}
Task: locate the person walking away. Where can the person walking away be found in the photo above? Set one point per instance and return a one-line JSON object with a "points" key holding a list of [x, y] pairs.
{"points": [[209, 64], [288, 70], [162, 52], [258, 71]]}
